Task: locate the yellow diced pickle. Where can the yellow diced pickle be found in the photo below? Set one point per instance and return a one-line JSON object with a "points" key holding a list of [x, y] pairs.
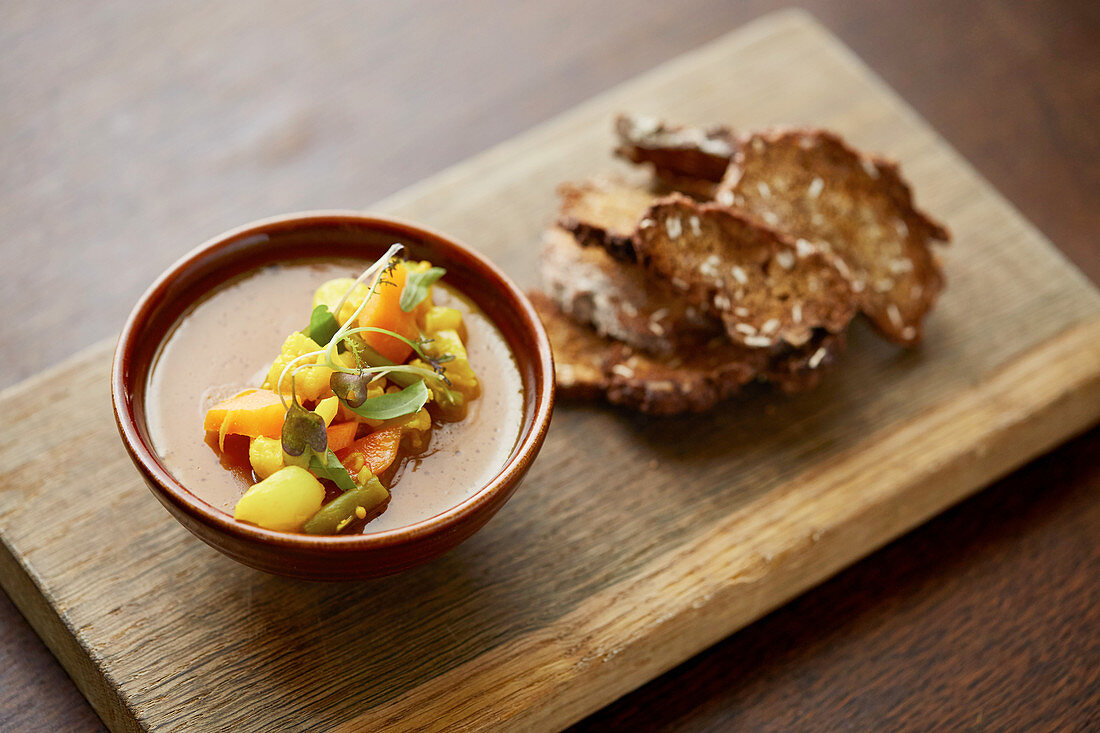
{"points": [[311, 383], [441, 318], [330, 293], [265, 455]]}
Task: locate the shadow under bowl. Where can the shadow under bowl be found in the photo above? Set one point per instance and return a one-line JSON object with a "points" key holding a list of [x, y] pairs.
{"points": [[312, 236]]}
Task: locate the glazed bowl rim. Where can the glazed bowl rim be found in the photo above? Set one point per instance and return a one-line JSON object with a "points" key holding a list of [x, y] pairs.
{"points": [[529, 441]]}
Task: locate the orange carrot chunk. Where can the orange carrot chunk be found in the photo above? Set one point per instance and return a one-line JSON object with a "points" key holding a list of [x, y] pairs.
{"points": [[253, 412], [383, 310], [377, 450], [341, 435]]}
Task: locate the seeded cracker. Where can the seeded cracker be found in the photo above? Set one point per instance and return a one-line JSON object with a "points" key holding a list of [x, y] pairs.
{"points": [[588, 366], [810, 184], [766, 289]]}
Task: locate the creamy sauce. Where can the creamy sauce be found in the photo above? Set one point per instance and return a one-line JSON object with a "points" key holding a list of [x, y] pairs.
{"points": [[226, 342]]}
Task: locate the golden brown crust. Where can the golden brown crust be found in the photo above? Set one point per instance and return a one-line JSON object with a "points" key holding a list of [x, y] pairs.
{"points": [[604, 212], [677, 152], [766, 288], [812, 185], [589, 366], [619, 299]]}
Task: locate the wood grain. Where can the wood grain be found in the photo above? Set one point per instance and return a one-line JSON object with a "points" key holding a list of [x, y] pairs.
{"points": [[1086, 251]]}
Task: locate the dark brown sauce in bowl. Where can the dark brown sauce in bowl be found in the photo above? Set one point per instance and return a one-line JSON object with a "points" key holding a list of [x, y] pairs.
{"points": [[225, 343], [297, 242]]}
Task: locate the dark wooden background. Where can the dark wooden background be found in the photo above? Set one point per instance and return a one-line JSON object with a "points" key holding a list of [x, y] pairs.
{"points": [[132, 131]]}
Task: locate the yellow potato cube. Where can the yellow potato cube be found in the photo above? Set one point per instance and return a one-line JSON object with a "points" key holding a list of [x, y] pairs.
{"points": [[265, 455], [284, 501]]}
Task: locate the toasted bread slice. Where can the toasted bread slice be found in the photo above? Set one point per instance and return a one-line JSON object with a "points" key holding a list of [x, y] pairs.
{"points": [[766, 288], [677, 152], [588, 365], [810, 184], [619, 299], [604, 212]]}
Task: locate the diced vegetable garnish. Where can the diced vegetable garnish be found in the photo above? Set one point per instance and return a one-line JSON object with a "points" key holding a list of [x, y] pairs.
{"points": [[376, 355], [383, 310], [283, 501], [345, 508], [266, 455], [341, 435], [253, 412], [376, 451]]}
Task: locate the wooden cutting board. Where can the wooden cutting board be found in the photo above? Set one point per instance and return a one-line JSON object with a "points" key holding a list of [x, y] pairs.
{"points": [[635, 542]]}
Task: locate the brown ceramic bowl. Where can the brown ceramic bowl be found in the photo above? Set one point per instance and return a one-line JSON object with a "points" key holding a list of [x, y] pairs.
{"points": [[313, 235]]}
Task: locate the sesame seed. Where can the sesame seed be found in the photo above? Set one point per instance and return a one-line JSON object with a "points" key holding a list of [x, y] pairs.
{"points": [[816, 187], [565, 374], [843, 268], [869, 167], [656, 328], [899, 266], [804, 248], [746, 329], [805, 142], [770, 326], [679, 284], [884, 285], [758, 145], [741, 311], [673, 227], [771, 218], [908, 333], [785, 258], [858, 286], [902, 227], [660, 386], [695, 228], [646, 223], [816, 359], [739, 274], [757, 341], [762, 187], [724, 197], [622, 370], [628, 309], [659, 314], [796, 312], [722, 302], [894, 314]]}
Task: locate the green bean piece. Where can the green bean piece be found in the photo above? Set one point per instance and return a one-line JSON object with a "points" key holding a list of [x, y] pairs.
{"points": [[333, 516]]}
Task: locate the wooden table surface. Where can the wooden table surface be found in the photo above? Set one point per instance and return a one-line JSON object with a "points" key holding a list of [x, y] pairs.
{"points": [[133, 131]]}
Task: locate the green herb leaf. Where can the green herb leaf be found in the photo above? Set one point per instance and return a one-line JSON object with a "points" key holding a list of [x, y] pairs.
{"points": [[417, 285], [304, 434], [388, 406], [333, 470], [350, 388], [322, 325]]}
